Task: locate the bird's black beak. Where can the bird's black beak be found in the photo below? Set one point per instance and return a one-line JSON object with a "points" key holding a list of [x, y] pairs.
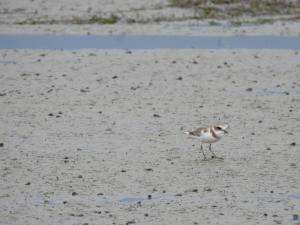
{"points": [[225, 131]]}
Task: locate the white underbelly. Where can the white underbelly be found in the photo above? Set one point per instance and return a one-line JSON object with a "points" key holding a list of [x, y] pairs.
{"points": [[208, 138]]}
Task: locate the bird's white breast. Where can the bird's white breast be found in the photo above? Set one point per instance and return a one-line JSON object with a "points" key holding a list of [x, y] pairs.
{"points": [[207, 137]]}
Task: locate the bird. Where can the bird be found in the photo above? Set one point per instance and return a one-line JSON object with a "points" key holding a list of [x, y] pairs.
{"points": [[210, 134]]}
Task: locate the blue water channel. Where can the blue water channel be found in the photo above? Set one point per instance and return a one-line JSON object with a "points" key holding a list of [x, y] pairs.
{"points": [[73, 42]]}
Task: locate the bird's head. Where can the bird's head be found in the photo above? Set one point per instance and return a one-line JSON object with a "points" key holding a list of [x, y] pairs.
{"points": [[220, 129]]}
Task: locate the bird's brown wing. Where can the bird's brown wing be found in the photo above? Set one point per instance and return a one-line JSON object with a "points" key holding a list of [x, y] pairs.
{"points": [[197, 132]]}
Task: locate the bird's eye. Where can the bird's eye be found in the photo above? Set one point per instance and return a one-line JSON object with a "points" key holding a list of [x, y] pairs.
{"points": [[218, 128]]}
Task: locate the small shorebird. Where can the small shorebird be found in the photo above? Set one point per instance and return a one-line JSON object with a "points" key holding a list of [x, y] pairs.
{"points": [[209, 135]]}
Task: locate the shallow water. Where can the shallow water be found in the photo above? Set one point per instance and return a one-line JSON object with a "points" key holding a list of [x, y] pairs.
{"points": [[131, 199], [21, 41], [294, 196], [7, 62], [40, 199]]}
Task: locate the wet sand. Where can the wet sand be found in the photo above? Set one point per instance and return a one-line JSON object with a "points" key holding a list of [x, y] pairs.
{"points": [[96, 137]]}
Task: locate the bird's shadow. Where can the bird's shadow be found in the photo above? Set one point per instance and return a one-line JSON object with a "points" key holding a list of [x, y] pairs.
{"points": [[211, 159]]}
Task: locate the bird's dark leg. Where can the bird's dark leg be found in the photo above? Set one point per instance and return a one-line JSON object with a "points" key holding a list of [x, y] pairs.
{"points": [[203, 153], [214, 155]]}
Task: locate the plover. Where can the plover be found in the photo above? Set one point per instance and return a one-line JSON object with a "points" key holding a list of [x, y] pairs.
{"points": [[209, 135]]}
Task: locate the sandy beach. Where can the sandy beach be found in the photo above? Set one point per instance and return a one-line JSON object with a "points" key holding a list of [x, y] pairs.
{"points": [[135, 17], [96, 136]]}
